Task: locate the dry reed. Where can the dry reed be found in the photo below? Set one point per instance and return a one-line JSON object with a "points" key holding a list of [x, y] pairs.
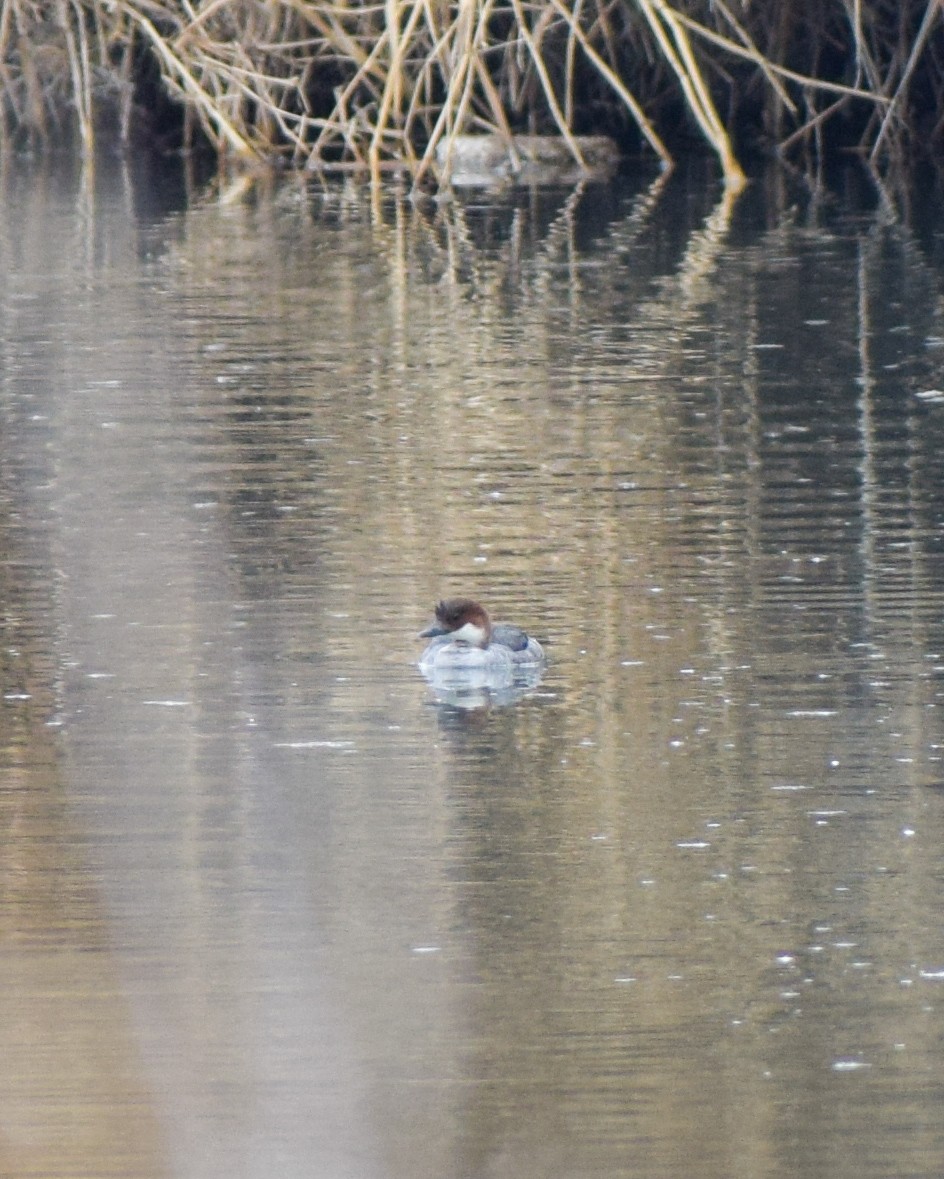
{"points": [[353, 83]]}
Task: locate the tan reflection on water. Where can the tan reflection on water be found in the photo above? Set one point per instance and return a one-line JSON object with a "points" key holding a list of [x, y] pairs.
{"points": [[631, 922], [73, 1096]]}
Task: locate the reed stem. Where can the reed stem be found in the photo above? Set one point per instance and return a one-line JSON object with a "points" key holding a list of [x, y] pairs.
{"points": [[375, 83]]}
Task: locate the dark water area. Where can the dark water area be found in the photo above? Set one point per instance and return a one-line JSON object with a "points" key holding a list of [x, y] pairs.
{"points": [[268, 904]]}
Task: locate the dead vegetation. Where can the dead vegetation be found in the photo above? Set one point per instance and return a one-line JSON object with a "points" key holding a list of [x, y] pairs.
{"points": [[383, 84]]}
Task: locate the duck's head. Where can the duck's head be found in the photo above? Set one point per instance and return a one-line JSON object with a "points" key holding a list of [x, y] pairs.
{"points": [[464, 621]]}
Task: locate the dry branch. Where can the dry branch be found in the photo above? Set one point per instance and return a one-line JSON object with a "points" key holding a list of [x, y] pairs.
{"points": [[373, 83]]}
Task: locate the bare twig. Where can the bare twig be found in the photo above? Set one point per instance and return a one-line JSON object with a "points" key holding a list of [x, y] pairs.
{"points": [[388, 81]]}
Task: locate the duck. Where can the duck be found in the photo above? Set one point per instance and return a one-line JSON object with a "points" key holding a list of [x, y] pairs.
{"points": [[464, 635]]}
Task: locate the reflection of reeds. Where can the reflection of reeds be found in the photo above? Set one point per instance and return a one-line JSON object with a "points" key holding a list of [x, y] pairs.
{"points": [[355, 84]]}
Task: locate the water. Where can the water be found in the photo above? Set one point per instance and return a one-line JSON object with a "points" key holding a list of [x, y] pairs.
{"points": [[268, 906]]}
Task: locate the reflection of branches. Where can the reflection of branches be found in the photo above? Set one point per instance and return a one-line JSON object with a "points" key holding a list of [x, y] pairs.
{"points": [[450, 238], [701, 256]]}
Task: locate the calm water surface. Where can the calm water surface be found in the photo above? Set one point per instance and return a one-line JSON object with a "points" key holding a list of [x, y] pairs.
{"points": [[267, 906]]}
